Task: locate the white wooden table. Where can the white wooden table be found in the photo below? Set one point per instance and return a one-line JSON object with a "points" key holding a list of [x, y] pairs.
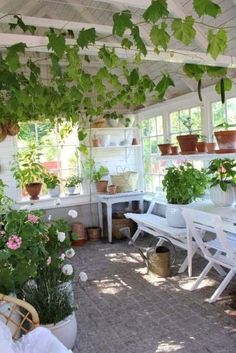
{"points": [[110, 200]]}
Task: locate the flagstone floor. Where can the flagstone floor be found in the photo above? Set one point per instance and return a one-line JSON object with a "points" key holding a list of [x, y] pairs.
{"points": [[122, 309]]}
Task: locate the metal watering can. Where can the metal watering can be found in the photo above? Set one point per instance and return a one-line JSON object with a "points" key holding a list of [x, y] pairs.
{"points": [[157, 258]]}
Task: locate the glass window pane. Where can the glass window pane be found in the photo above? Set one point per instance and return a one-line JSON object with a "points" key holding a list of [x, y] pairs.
{"points": [[196, 118], [26, 135], [145, 127], [218, 113], [153, 142], [174, 122], [152, 127], [159, 121], [231, 111], [46, 134]]}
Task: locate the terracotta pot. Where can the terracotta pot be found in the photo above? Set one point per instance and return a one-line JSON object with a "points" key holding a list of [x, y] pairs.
{"points": [[111, 189], [187, 143], [135, 141], [80, 231], [165, 148], [94, 233], [174, 150], [96, 143], [101, 186], [226, 140], [12, 128], [211, 147], [202, 146], [33, 190]]}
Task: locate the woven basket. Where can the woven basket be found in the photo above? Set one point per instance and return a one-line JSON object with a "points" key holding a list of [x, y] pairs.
{"points": [[125, 182], [119, 223]]}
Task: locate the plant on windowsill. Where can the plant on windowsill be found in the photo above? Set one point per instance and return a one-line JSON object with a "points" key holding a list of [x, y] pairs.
{"points": [[72, 182], [187, 143], [95, 174], [182, 184], [222, 181], [52, 183], [28, 171], [202, 144], [165, 148], [226, 139]]}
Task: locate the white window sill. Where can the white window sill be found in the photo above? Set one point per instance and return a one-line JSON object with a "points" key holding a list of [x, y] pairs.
{"points": [[47, 202]]}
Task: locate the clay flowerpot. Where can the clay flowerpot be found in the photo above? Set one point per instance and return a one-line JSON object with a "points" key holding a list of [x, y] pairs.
{"points": [[34, 190], [165, 148], [202, 146], [79, 230], [12, 128], [226, 140], [135, 141], [94, 233], [187, 143], [101, 186], [174, 150], [111, 189], [211, 147], [96, 143]]}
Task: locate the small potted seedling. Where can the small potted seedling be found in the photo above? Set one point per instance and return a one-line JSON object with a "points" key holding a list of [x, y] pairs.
{"points": [[165, 148], [71, 183], [202, 144], [188, 142]]}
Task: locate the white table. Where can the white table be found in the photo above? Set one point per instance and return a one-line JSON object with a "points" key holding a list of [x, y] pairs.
{"points": [[110, 200]]}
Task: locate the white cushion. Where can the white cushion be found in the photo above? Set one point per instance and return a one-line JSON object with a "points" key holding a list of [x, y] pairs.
{"points": [[6, 344]]}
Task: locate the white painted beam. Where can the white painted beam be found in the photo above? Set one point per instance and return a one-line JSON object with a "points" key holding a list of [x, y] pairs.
{"points": [[58, 24], [39, 44]]}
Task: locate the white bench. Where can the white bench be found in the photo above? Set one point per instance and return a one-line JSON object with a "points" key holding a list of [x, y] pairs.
{"points": [[157, 226]]}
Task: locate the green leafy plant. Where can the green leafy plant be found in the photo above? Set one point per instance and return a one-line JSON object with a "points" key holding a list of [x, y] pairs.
{"points": [[27, 168], [222, 172], [91, 172], [6, 203], [99, 173], [225, 126], [51, 180], [184, 184], [73, 180], [187, 122]]}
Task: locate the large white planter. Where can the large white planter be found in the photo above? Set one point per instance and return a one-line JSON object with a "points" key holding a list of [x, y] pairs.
{"points": [[174, 216], [222, 198], [113, 122], [55, 192], [65, 330]]}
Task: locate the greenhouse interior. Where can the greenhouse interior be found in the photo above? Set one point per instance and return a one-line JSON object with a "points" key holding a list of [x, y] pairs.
{"points": [[117, 176]]}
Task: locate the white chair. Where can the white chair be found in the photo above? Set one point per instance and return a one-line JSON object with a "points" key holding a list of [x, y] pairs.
{"points": [[220, 252]]}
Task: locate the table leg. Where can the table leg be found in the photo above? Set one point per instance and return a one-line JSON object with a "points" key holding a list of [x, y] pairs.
{"points": [[190, 255], [109, 222], [100, 217], [141, 204]]}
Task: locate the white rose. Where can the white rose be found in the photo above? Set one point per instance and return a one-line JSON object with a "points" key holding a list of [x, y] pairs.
{"points": [[67, 270], [62, 257], [73, 213], [70, 253], [83, 277], [61, 236]]}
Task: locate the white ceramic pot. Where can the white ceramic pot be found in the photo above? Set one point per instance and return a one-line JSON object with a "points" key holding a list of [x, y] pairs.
{"points": [[65, 330], [174, 216], [54, 192], [113, 122], [105, 140], [71, 190], [222, 198]]}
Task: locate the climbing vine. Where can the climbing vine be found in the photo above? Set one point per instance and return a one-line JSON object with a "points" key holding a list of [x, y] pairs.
{"points": [[77, 95]]}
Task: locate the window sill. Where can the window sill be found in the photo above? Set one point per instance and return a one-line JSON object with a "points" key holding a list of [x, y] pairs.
{"points": [[47, 202]]}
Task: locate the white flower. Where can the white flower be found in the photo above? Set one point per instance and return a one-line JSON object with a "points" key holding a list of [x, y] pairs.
{"points": [[70, 253], [49, 217], [61, 236], [62, 257], [67, 270], [73, 213], [83, 276]]}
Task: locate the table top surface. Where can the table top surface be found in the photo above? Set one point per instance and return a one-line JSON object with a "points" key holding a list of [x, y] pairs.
{"points": [[131, 194]]}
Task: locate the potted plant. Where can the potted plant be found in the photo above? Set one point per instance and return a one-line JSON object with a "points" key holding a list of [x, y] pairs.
{"points": [[222, 181], [28, 171], [93, 175], [6, 203], [182, 184], [188, 142], [71, 183], [202, 144], [113, 118], [226, 139], [52, 183], [165, 148], [97, 175]]}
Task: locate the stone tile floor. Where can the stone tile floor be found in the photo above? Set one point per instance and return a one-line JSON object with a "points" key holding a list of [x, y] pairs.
{"points": [[122, 309]]}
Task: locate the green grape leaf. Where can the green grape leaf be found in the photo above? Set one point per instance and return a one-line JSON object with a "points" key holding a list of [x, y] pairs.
{"points": [[162, 86], [194, 71], [133, 78], [81, 135], [12, 57], [86, 37], [159, 36], [126, 43], [228, 84], [22, 25], [206, 7], [216, 71], [183, 29], [108, 56], [138, 40], [56, 42], [121, 22], [155, 11], [217, 42]]}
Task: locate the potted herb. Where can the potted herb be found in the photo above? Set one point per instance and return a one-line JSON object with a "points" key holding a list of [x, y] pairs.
{"points": [[226, 139], [188, 142], [165, 148], [94, 175], [52, 183], [28, 171], [202, 144], [97, 176], [222, 181], [71, 183], [182, 184]]}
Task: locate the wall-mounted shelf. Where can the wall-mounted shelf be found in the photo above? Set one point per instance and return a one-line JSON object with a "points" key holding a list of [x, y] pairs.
{"points": [[114, 147], [196, 156]]}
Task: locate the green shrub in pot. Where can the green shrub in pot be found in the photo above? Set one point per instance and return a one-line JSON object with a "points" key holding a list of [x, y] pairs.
{"points": [[182, 184], [52, 183]]}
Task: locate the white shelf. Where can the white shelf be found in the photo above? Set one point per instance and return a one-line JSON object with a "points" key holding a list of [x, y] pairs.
{"points": [[112, 128], [196, 156], [113, 147]]}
